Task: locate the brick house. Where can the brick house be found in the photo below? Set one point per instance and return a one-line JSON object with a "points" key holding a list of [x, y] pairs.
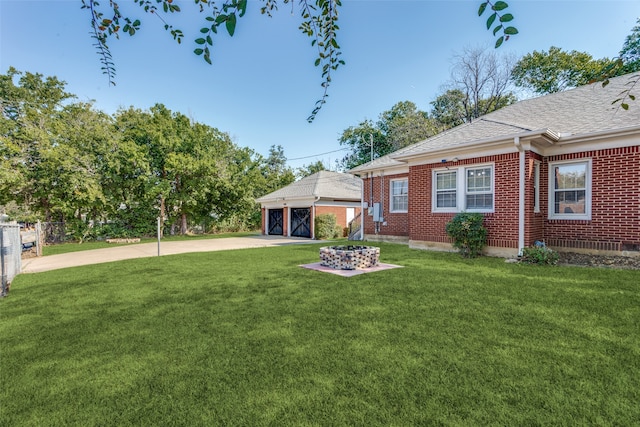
{"points": [[291, 211], [562, 168]]}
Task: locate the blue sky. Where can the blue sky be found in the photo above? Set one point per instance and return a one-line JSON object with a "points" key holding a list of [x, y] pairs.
{"points": [[263, 85]]}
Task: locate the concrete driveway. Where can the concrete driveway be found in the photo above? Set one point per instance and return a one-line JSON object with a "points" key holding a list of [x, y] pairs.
{"points": [[142, 250]]}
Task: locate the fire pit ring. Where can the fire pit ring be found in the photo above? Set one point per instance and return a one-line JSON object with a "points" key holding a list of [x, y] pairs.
{"points": [[349, 257]]}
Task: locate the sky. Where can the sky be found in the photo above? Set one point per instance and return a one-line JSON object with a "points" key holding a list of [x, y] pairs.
{"points": [[263, 84]]}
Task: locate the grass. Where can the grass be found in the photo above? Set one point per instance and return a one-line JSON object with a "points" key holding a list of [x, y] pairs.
{"points": [[248, 338], [85, 246]]}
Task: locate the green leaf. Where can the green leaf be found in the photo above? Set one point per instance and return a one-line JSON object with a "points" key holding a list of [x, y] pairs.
{"points": [[496, 29], [198, 51], [204, 30], [201, 41], [491, 19], [511, 31], [499, 42], [209, 41], [317, 62], [624, 106], [231, 24], [506, 17], [242, 7], [632, 97], [500, 5], [482, 8]]}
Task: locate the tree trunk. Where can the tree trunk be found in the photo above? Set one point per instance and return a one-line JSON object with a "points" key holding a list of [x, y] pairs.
{"points": [[183, 224]]}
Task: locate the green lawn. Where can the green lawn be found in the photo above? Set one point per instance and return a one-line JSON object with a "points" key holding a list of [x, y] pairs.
{"points": [[85, 246], [248, 338]]}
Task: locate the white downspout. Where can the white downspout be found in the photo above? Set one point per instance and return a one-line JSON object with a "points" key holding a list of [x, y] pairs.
{"points": [[521, 195], [361, 209]]}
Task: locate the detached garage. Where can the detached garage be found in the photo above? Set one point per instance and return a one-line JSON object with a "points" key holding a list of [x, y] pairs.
{"points": [[290, 211]]}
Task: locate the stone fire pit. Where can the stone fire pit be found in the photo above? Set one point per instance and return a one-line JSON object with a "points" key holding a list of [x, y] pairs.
{"points": [[349, 257]]}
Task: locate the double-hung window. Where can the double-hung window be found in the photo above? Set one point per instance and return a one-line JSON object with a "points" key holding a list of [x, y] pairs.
{"points": [[446, 196], [479, 189], [463, 189], [570, 190], [399, 195]]}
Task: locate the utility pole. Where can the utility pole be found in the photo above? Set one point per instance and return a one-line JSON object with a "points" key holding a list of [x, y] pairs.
{"points": [[370, 143]]}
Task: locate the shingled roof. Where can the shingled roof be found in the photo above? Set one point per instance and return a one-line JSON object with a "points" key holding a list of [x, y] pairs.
{"points": [[576, 112], [323, 184]]}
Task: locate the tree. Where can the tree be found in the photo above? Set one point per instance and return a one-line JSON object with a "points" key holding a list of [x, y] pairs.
{"points": [[396, 128], [310, 169], [404, 125], [319, 21], [630, 52], [479, 84], [32, 119], [275, 172], [557, 70]]}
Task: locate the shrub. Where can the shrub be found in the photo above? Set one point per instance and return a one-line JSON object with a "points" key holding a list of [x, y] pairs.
{"points": [[326, 227], [539, 253], [468, 234]]}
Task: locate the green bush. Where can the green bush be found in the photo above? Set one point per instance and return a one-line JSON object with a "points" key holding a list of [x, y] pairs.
{"points": [[326, 227], [468, 234], [539, 253]]}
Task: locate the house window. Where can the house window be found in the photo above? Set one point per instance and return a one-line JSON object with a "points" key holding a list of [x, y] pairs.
{"points": [[399, 195], [446, 189], [479, 189], [570, 190], [463, 189]]}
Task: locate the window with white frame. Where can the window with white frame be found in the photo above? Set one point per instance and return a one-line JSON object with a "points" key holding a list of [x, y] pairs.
{"points": [[570, 190], [463, 189], [446, 189], [479, 189], [399, 195]]}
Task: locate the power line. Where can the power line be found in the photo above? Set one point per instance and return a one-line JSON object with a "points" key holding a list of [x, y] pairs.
{"points": [[321, 154]]}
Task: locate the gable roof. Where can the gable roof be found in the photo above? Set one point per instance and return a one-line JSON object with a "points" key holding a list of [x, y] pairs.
{"points": [[576, 112], [323, 184]]}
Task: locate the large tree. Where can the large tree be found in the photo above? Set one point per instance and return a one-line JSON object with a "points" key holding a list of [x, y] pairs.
{"points": [[64, 161], [396, 128], [479, 84], [555, 70]]}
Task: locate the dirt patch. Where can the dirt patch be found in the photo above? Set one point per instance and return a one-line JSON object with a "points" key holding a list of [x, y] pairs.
{"points": [[602, 261]]}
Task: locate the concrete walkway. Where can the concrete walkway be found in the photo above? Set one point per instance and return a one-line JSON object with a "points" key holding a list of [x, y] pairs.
{"points": [[142, 250]]}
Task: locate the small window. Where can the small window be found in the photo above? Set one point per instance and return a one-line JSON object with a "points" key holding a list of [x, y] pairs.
{"points": [[399, 195], [446, 190], [569, 190]]}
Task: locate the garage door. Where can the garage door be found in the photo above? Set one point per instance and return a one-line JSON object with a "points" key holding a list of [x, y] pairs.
{"points": [[301, 222], [275, 221]]}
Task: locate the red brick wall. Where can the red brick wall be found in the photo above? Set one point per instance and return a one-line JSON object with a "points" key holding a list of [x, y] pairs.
{"points": [[397, 223], [339, 211], [615, 203], [502, 225]]}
